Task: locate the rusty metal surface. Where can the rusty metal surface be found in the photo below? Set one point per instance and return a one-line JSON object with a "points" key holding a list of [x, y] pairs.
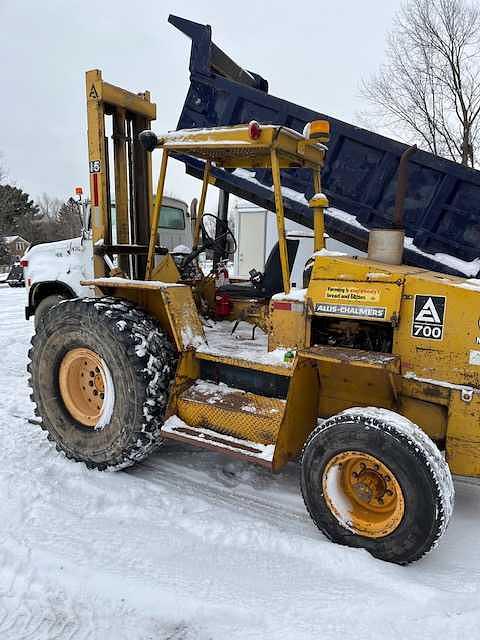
{"points": [[353, 357], [217, 443]]}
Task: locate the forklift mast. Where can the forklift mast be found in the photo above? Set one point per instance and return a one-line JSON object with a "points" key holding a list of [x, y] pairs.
{"points": [[124, 115]]}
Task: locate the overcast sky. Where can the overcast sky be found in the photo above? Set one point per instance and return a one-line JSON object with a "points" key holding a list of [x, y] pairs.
{"points": [[312, 52]]}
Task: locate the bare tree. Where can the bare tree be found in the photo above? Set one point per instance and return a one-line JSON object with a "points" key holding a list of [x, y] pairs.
{"points": [[428, 90], [57, 220]]}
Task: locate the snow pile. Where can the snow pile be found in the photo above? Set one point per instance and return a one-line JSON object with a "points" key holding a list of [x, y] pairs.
{"points": [[328, 253], [471, 283], [221, 342], [294, 295], [377, 275], [193, 545], [116, 280], [109, 397], [214, 393], [183, 249]]}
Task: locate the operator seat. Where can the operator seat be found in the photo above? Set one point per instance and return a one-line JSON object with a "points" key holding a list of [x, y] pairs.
{"points": [[271, 282]]}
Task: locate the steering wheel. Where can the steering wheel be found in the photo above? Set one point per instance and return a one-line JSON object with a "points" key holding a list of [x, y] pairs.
{"points": [[219, 242]]}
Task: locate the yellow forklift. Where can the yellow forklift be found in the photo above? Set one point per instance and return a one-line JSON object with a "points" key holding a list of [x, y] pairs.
{"points": [[369, 376]]}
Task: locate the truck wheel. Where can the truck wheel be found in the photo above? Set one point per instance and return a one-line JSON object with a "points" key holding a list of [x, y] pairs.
{"points": [[100, 371], [371, 478], [44, 306]]}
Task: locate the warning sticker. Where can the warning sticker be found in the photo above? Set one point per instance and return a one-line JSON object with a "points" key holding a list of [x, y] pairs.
{"points": [[350, 310], [353, 294], [428, 317]]}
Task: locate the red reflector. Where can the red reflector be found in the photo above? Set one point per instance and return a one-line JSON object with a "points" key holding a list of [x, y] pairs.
{"points": [[254, 130], [24, 263], [29, 282], [284, 306], [95, 189]]}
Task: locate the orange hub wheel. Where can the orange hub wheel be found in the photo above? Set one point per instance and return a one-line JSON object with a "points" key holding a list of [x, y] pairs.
{"points": [[363, 494], [82, 385]]}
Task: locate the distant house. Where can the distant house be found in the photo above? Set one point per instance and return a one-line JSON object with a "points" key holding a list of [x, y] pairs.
{"points": [[16, 246]]}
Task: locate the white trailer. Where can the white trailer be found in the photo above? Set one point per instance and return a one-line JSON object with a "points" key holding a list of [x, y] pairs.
{"points": [[256, 234]]}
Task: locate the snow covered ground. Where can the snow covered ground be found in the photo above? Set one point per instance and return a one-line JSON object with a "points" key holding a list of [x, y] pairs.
{"points": [[191, 545]]}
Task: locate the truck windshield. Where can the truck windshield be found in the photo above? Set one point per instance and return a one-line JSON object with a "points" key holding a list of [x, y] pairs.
{"points": [[172, 218]]}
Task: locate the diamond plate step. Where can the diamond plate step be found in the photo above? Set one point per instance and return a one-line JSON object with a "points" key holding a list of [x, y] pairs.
{"points": [[231, 412]]}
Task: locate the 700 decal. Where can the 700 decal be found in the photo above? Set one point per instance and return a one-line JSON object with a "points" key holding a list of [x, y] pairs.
{"points": [[428, 317], [424, 331]]}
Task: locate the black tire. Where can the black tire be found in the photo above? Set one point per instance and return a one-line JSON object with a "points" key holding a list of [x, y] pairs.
{"points": [[415, 461], [141, 362], [44, 307]]}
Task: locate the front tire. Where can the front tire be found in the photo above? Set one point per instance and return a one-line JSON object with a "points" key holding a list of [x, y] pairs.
{"points": [[372, 479], [101, 370], [44, 307]]}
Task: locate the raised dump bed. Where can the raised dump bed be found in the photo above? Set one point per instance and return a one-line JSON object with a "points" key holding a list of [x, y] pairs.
{"points": [[442, 208]]}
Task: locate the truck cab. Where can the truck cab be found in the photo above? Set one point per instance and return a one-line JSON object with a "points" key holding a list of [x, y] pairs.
{"points": [[53, 270]]}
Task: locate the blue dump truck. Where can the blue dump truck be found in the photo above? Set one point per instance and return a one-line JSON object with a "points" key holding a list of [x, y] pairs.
{"points": [[442, 203]]}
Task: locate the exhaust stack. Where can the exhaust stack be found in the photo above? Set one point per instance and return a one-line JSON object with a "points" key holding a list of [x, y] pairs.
{"points": [[386, 245]]}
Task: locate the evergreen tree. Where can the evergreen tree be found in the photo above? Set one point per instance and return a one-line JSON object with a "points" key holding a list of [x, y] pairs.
{"points": [[17, 212]]}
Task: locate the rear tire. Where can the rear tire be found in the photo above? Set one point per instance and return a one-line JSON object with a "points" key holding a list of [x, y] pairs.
{"points": [[418, 484], [136, 363]]}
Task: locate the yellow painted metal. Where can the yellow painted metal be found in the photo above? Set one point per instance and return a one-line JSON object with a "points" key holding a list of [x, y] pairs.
{"points": [[463, 436], [301, 413], [138, 103], [81, 381], [232, 147], [183, 317], [363, 494], [171, 304], [431, 417], [188, 370], [351, 377], [373, 301], [454, 358], [276, 368], [357, 289], [288, 328], [103, 99], [318, 205], [156, 214], [201, 203], [345, 386], [359, 358], [96, 155], [166, 270], [121, 182], [282, 242], [239, 414]]}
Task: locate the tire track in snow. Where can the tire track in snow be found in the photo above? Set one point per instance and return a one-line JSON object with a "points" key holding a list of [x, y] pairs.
{"points": [[180, 478]]}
